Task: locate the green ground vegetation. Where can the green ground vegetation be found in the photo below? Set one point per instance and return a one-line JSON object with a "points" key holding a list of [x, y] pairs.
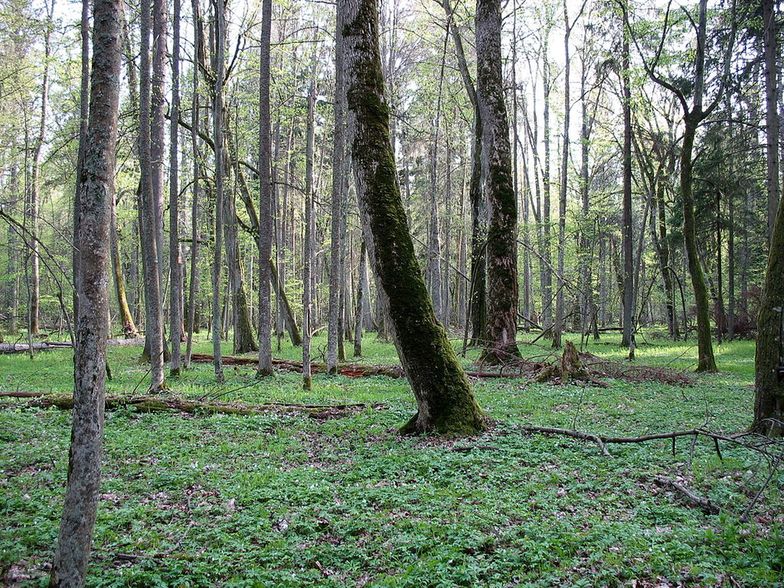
{"points": [[284, 499]]}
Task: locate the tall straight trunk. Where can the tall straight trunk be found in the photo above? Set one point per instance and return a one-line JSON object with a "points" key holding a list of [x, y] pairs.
{"points": [[772, 153], [731, 266], [444, 398], [769, 379], [160, 54], [362, 293], [586, 281], [12, 296], [502, 287], [547, 266], [446, 299], [559, 303], [339, 185], [84, 110], [195, 188], [433, 269], [217, 259], [769, 363], [307, 241], [84, 463], [175, 252], [265, 194], [626, 207], [477, 302], [721, 316], [148, 224], [35, 184]]}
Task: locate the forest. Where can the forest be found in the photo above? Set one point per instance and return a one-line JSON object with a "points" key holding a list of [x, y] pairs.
{"points": [[391, 293]]}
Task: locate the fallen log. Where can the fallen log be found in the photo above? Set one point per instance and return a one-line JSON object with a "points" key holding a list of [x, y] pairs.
{"points": [[704, 504], [164, 404]]}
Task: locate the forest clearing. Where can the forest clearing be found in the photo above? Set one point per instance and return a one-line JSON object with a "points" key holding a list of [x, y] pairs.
{"points": [[287, 498]]}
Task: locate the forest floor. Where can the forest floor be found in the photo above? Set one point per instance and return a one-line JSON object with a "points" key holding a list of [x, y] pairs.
{"points": [[285, 499]]}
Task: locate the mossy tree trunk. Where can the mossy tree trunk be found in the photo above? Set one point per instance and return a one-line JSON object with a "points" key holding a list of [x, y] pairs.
{"points": [[769, 388], [444, 398], [502, 287], [97, 186]]}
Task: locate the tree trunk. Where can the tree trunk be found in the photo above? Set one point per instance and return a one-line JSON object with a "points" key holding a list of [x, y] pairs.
{"points": [[175, 253], [196, 187], [84, 111], [148, 224], [35, 184], [772, 153], [307, 241], [265, 194], [626, 222], [361, 295], [217, 261], [97, 182], [444, 398], [502, 287], [338, 204], [769, 361], [128, 324]]}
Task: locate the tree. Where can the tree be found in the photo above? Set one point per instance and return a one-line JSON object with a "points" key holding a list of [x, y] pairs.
{"points": [[693, 115], [265, 194], [444, 398], [768, 364], [502, 288], [148, 227], [338, 203], [626, 216], [175, 264], [97, 186], [217, 119]]}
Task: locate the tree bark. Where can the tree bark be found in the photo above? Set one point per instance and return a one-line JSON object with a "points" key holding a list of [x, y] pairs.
{"points": [[626, 222], [444, 398], [217, 118], [772, 153], [338, 203], [307, 242], [502, 286], [175, 251], [148, 227], [265, 194], [97, 182]]}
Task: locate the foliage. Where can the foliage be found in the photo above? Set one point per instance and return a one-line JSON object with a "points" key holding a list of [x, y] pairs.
{"points": [[294, 501]]}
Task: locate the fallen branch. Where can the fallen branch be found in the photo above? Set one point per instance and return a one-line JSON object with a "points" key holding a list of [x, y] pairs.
{"points": [[163, 404], [704, 504]]}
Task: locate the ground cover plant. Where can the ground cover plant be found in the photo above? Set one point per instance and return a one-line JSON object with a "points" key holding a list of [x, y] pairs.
{"points": [[292, 499]]}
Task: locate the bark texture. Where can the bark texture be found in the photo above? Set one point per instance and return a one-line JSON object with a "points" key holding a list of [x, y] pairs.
{"points": [[502, 287], [265, 195], [444, 398], [97, 187]]}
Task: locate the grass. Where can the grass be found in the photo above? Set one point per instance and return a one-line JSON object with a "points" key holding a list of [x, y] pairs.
{"points": [[282, 500]]}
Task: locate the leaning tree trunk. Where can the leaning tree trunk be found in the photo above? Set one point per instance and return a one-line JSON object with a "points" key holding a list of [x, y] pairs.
{"points": [[97, 182], [444, 398], [502, 287], [126, 318], [705, 359]]}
